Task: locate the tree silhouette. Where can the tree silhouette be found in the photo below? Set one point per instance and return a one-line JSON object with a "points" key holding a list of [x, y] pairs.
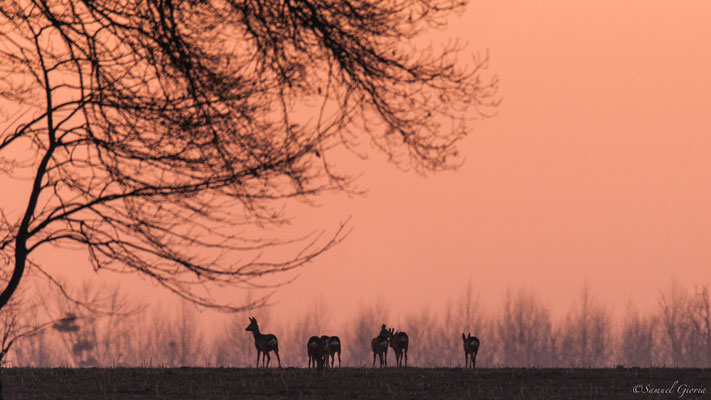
{"points": [[524, 330], [586, 332], [161, 135]]}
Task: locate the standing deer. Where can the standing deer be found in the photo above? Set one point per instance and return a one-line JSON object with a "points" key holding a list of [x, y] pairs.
{"points": [[379, 345], [471, 348], [263, 343], [315, 350], [399, 342], [334, 346], [324, 342]]}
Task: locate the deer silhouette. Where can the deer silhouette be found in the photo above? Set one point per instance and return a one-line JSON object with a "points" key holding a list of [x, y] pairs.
{"points": [[471, 349], [399, 342], [316, 351], [334, 346], [324, 343], [379, 345], [263, 342]]}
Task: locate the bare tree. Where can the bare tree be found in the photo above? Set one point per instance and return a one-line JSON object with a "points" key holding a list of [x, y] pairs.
{"points": [[676, 327], [43, 327], [163, 136], [315, 321], [298, 332], [362, 329], [34, 351], [586, 333], [26, 330], [524, 330], [232, 348], [470, 316], [94, 331], [637, 343], [15, 327], [185, 343], [699, 315]]}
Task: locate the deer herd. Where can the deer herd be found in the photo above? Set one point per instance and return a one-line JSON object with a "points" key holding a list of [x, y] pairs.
{"points": [[320, 348]]}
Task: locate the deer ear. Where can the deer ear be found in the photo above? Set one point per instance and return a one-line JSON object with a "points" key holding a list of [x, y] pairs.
{"points": [[463, 337]]}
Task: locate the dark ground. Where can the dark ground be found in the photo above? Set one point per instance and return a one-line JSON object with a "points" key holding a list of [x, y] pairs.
{"points": [[353, 383]]}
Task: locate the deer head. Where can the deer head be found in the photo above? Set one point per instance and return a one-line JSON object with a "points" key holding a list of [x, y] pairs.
{"points": [[383, 331], [252, 325]]}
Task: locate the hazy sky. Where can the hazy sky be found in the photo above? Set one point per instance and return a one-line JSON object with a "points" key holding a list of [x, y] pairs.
{"points": [[597, 167]]}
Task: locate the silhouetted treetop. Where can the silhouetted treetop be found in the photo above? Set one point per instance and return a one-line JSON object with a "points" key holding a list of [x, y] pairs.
{"points": [[145, 123]]}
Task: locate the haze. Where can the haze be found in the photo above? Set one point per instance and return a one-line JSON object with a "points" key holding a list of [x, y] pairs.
{"points": [[596, 167]]}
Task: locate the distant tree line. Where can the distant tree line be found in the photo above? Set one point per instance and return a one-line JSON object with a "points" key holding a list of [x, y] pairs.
{"points": [[520, 332]]}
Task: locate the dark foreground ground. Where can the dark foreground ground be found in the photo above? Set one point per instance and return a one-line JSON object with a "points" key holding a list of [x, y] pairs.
{"points": [[355, 383]]}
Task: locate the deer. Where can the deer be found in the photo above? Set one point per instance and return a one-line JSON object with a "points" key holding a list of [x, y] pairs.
{"points": [[379, 345], [334, 346], [315, 350], [399, 342], [471, 348], [324, 342], [263, 342]]}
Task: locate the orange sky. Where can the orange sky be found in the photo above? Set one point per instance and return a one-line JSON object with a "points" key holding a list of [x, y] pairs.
{"points": [[597, 167]]}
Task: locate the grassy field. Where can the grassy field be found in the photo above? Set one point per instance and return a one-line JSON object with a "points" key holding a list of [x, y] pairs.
{"points": [[354, 383]]}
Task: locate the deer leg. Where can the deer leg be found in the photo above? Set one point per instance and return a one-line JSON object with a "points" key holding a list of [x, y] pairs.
{"points": [[466, 360], [406, 357], [339, 359], [268, 358], [373, 360], [258, 352], [474, 360], [276, 352]]}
